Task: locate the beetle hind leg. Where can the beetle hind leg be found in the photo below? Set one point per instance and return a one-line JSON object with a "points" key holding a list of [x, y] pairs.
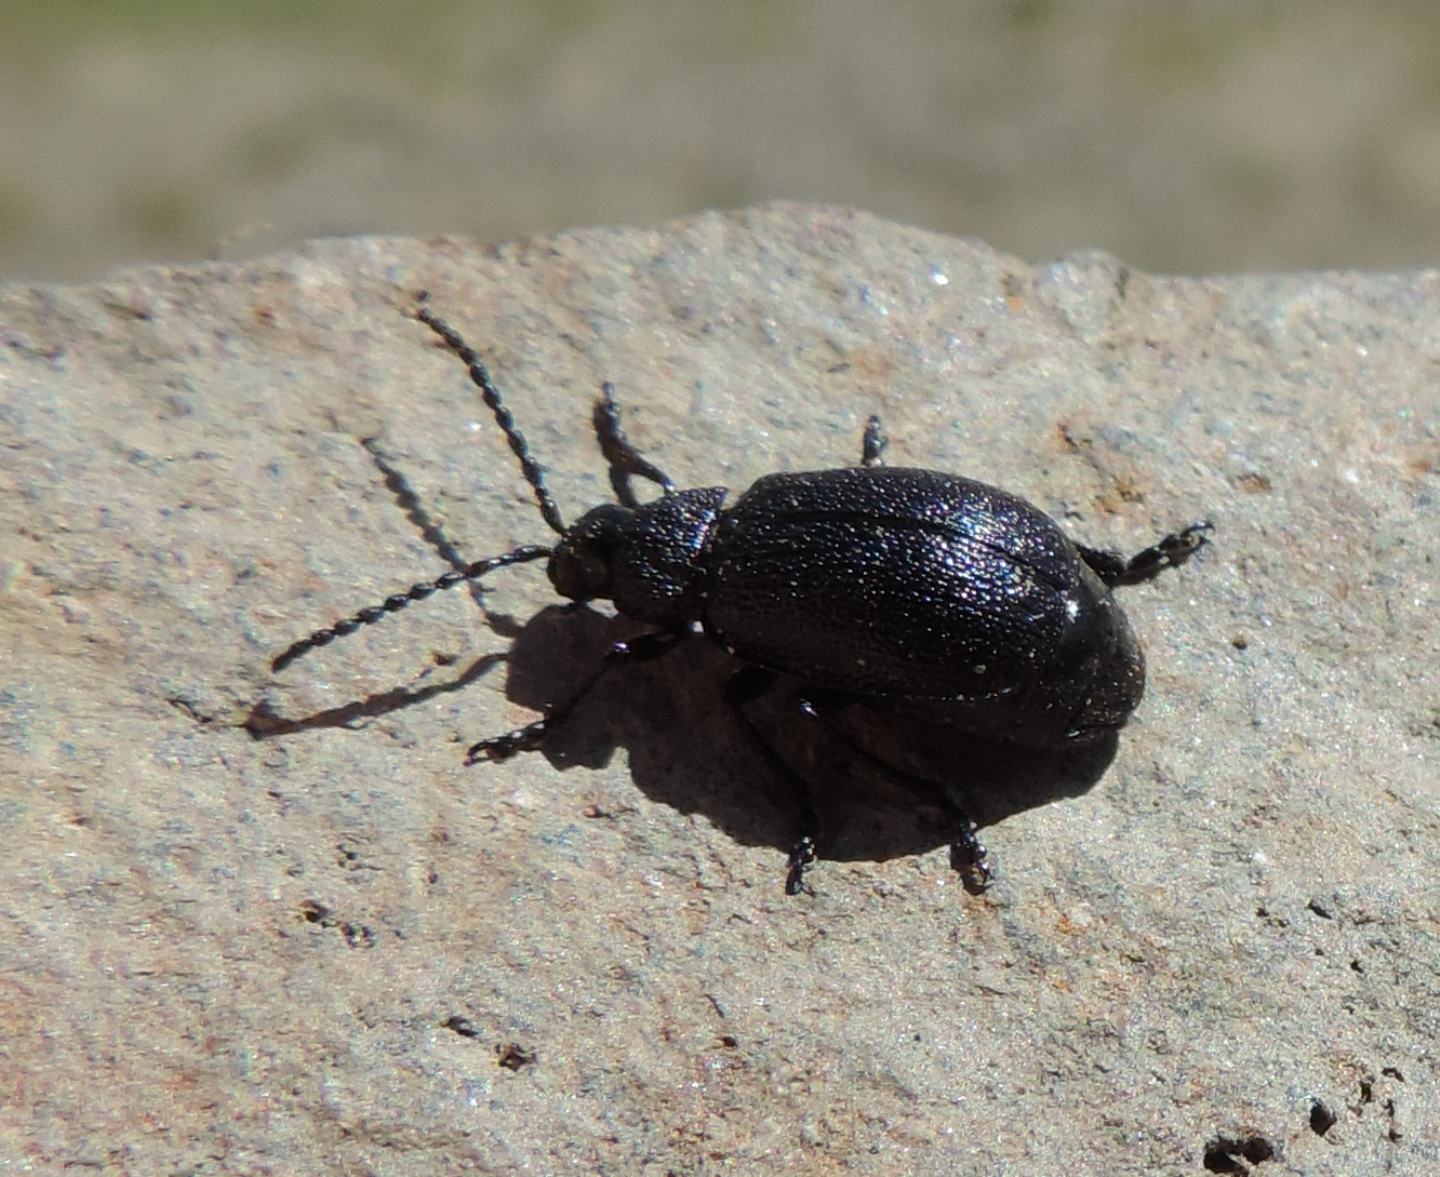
{"points": [[624, 460], [1169, 552]]}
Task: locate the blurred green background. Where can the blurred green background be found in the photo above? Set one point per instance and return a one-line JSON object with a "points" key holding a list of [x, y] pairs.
{"points": [[1183, 135]]}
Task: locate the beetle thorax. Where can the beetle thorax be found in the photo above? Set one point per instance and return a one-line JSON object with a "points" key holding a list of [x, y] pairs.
{"points": [[649, 560]]}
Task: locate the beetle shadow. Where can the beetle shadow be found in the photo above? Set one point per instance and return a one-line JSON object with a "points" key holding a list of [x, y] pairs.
{"points": [[688, 749]]}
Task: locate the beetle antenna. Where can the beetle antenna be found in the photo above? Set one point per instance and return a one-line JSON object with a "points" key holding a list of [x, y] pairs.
{"points": [[491, 395], [393, 604]]}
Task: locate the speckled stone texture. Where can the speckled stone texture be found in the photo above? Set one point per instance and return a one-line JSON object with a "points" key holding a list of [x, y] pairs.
{"points": [[260, 923]]}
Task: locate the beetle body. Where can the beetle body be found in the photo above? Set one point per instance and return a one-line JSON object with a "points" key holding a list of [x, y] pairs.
{"points": [[906, 589]]}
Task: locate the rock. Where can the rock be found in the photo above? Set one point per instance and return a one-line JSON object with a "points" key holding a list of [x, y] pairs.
{"points": [[260, 922]]}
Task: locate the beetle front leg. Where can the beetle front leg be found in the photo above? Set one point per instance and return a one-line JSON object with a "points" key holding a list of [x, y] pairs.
{"points": [[624, 459], [1170, 552], [645, 648], [745, 685]]}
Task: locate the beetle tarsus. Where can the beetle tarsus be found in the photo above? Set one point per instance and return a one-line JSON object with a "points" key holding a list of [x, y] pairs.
{"points": [[496, 748], [970, 859], [873, 443], [1168, 552], [802, 855]]}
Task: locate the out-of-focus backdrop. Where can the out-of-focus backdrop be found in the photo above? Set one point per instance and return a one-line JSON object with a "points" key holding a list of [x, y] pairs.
{"points": [[1183, 135]]}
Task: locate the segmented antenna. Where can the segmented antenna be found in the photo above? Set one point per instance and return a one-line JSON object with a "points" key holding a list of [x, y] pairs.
{"points": [[418, 592], [471, 572], [488, 392]]}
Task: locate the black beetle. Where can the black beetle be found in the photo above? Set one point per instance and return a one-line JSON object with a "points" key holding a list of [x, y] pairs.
{"points": [[906, 589]]}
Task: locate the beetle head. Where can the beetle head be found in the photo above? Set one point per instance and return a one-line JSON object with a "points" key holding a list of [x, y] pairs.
{"points": [[583, 562], [648, 560]]}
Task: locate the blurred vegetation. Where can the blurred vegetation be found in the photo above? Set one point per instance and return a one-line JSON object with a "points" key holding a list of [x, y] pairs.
{"points": [[1189, 135]]}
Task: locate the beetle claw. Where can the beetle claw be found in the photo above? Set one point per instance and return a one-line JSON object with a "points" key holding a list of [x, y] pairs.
{"points": [[802, 854], [497, 748], [969, 857]]}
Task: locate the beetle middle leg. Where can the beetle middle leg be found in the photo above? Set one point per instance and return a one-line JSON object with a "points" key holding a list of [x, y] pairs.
{"points": [[625, 461], [873, 442], [1169, 552], [744, 686], [645, 648], [968, 855]]}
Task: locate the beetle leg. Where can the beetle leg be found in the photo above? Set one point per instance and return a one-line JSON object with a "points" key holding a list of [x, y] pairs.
{"points": [[624, 459], [968, 856], [873, 443], [645, 648], [1170, 552], [749, 683]]}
